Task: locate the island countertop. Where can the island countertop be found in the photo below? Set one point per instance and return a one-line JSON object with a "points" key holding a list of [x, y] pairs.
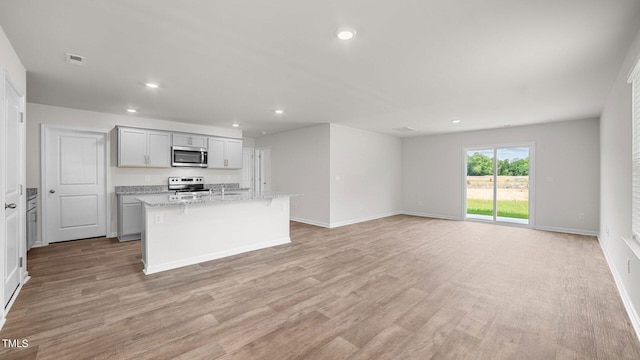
{"points": [[172, 199]]}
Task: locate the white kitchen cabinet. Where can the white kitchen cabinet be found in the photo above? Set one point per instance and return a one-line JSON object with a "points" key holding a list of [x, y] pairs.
{"points": [[225, 153], [129, 218], [190, 140], [143, 148]]}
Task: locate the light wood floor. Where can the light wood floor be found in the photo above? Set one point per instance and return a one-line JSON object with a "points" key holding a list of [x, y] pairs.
{"points": [[397, 288]]}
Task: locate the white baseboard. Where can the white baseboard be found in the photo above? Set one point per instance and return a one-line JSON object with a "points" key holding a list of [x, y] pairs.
{"points": [[363, 219], [343, 223], [626, 300], [566, 230], [213, 256], [435, 216], [310, 222]]}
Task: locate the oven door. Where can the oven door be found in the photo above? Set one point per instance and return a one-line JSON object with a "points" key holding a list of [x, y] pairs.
{"points": [[188, 157]]}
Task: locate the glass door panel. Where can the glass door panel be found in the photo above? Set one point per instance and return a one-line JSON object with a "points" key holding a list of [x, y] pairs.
{"points": [[512, 184], [480, 180]]}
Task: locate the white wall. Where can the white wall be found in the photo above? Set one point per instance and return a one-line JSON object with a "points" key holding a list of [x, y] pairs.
{"points": [[615, 191], [365, 169], [11, 66], [300, 164], [566, 172], [81, 119]]}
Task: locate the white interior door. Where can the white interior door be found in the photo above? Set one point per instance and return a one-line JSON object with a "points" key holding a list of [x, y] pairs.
{"points": [[74, 191], [14, 201]]}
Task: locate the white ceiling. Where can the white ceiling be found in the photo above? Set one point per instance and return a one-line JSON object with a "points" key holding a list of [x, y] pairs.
{"points": [[414, 63]]}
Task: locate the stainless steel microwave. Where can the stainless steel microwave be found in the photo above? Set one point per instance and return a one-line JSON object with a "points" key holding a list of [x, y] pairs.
{"points": [[183, 156]]}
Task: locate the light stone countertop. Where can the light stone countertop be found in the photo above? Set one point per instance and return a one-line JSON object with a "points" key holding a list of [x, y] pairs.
{"points": [[160, 189], [204, 198]]}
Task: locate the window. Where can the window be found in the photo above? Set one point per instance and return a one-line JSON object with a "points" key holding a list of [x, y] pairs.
{"points": [[634, 79]]}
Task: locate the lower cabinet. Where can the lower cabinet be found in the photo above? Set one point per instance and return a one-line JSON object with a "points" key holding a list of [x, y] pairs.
{"points": [[129, 218]]}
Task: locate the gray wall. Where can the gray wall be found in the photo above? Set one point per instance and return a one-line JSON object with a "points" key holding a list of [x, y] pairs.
{"points": [[365, 175], [615, 210], [347, 175], [300, 164], [566, 177]]}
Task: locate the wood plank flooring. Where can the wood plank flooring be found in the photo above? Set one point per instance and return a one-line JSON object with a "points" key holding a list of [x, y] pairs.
{"points": [[402, 287]]}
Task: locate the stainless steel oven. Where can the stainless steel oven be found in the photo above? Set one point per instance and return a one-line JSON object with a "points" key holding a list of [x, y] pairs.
{"points": [[183, 156]]}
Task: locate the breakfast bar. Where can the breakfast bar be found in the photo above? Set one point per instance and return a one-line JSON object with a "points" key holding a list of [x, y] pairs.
{"points": [[181, 230]]}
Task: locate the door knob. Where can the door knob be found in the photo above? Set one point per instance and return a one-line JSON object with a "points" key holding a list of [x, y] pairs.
{"points": [[52, 191], [10, 206]]}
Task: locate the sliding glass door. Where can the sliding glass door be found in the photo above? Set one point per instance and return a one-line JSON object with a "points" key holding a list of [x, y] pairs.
{"points": [[497, 184]]}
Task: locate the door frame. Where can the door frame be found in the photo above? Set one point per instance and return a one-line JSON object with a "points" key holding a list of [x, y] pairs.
{"points": [[250, 167], [5, 79], [260, 171], [44, 128], [532, 146]]}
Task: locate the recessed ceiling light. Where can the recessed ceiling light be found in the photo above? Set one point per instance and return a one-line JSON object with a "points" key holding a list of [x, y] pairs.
{"points": [[279, 111], [152, 85], [132, 110], [264, 133], [456, 121], [346, 34], [235, 125]]}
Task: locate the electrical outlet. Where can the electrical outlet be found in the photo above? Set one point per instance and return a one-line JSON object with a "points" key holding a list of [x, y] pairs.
{"points": [[147, 178], [158, 219], [581, 216]]}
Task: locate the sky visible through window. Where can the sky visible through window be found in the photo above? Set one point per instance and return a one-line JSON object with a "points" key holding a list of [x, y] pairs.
{"points": [[505, 153]]}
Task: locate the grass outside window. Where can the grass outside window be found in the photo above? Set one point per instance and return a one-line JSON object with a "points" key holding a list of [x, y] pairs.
{"points": [[506, 208]]}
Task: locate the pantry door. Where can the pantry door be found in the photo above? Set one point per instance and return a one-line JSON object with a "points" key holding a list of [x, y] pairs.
{"points": [[74, 184]]}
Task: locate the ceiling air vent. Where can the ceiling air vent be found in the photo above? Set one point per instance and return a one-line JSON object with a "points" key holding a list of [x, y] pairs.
{"points": [[405, 129], [75, 59]]}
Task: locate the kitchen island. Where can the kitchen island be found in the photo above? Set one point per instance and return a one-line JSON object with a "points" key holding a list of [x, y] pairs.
{"points": [[181, 230]]}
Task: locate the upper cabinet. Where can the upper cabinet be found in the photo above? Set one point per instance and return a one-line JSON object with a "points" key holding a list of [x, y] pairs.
{"points": [[143, 148], [152, 148], [189, 140], [225, 153]]}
